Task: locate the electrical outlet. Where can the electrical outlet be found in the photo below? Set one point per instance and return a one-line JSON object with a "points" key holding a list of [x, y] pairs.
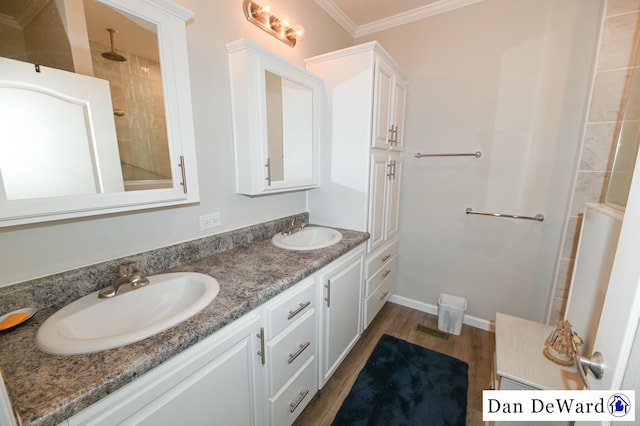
{"points": [[210, 220]]}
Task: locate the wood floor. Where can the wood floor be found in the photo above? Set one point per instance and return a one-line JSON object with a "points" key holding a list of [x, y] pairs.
{"points": [[474, 346]]}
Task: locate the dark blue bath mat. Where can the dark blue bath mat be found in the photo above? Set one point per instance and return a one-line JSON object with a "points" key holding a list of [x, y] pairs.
{"points": [[406, 384]]}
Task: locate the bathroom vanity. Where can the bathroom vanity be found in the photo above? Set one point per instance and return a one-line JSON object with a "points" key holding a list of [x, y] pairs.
{"points": [[281, 323]]}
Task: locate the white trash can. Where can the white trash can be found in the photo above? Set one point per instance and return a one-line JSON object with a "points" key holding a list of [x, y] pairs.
{"points": [[451, 313]]}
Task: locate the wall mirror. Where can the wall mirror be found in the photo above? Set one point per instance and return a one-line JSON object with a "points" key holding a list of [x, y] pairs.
{"points": [[90, 91], [289, 108], [276, 121]]}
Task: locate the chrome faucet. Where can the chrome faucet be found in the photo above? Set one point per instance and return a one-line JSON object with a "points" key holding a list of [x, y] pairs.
{"points": [[293, 227], [129, 278]]}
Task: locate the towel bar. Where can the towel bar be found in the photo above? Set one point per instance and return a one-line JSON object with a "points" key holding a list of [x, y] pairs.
{"points": [[476, 154], [539, 217]]}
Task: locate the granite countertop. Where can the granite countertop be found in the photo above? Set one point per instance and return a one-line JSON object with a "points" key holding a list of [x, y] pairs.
{"points": [[47, 389]]}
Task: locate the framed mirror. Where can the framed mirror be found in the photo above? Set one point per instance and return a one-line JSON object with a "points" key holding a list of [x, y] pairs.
{"points": [[289, 109], [276, 121], [90, 91]]}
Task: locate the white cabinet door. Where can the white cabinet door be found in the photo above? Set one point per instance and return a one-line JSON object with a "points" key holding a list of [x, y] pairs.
{"points": [[342, 297], [218, 381], [399, 101], [388, 107], [384, 199], [382, 105], [222, 392], [378, 181]]}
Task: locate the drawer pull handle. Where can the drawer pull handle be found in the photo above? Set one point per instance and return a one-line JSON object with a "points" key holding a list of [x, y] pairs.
{"points": [[261, 351], [386, 257], [386, 273], [384, 295], [294, 405], [292, 357], [300, 309]]}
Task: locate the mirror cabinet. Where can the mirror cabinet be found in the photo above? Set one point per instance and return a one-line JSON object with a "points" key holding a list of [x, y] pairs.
{"points": [[275, 107], [96, 108]]}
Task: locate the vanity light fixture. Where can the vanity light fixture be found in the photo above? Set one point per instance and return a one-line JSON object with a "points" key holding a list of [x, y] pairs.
{"points": [[259, 13]]}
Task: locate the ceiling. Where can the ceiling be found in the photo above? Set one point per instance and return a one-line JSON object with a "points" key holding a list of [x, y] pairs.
{"points": [[361, 17], [16, 13]]}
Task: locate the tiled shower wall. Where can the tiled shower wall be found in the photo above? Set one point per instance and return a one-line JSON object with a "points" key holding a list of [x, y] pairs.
{"points": [[136, 90], [620, 33]]}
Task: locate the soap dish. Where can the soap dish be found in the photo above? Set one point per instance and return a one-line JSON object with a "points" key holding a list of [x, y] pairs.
{"points": [[16, 317]]}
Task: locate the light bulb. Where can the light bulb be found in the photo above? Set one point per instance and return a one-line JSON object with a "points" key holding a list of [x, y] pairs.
{"points": [[284, 21], [265, 6], [299, 32]]}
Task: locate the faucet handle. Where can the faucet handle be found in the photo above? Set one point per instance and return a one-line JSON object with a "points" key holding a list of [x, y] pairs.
{"points": [[127, 269]]}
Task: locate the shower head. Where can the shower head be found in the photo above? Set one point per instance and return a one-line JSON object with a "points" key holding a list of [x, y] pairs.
{"points": [[112, 55]]}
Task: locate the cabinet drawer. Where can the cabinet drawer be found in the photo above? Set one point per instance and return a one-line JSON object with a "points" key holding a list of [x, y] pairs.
{"points": [[290, 350], [299, 300], [379, 259], [388, 271], [377, 299], [289, 403]]}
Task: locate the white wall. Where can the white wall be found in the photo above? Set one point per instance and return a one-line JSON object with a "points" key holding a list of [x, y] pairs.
{"points": [[510, 79], [38, 250]]}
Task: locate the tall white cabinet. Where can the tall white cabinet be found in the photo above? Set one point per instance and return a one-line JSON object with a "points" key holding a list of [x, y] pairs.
{"points": [[361, 157]]}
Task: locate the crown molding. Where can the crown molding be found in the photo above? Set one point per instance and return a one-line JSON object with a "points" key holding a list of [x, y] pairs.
{"points": [[436, 8], [338, 15]]}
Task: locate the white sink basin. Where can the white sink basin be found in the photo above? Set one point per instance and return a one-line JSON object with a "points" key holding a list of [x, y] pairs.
{"points": [[308, 238], [91, 324]]}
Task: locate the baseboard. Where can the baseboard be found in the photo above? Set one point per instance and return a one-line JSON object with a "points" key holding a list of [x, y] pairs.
{"points": [[433, 309]]}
